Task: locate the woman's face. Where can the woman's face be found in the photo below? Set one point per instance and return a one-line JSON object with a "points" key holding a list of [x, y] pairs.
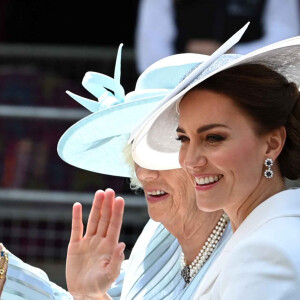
{"points": [[219, 150], [169, 194]]}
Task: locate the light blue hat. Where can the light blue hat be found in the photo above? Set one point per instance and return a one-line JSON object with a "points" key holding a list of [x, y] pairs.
{"points": [[96, 142]]}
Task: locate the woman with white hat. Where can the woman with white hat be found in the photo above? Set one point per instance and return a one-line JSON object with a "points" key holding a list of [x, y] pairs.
{"points": [[238, 118]]}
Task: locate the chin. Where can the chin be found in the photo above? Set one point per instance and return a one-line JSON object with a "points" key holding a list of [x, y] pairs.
{"points": [[155, 219], [155, 216], [208, 206]]}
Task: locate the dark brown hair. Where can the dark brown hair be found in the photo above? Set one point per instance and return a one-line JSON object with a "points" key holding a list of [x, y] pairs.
{"points": [[270, 100]]}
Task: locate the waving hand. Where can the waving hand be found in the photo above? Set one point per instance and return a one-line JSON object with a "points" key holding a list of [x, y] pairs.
{"points": [[94, 259]]}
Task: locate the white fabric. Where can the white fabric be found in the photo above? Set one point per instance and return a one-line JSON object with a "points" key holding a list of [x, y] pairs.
{"points": [[155, 32], [156, 29], [262, 259]]}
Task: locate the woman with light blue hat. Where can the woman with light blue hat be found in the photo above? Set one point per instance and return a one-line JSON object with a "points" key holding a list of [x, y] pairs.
{"points": [[179, 242], [99, 143]]}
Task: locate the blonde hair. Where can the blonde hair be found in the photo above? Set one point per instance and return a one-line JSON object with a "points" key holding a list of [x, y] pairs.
{"points": [[134, 182]]}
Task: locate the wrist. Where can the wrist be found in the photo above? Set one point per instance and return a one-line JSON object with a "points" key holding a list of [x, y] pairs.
{"points": [[3, 267], [85, 297], [89, 297]]}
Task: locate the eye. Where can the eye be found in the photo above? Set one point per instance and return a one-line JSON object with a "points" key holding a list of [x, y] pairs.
{"points": [[182, 138], [214, 138]]}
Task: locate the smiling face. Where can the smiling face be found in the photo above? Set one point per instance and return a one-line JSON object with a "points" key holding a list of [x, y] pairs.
{"points": [[169, 194], [220, 150]]}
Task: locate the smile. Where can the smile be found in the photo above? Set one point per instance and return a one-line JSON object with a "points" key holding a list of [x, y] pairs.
{"points": [[156, 196], [207, 179], [156, 193]]}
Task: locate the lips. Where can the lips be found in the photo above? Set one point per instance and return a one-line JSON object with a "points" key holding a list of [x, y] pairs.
{"points": [[156, 195], [207, 180]]}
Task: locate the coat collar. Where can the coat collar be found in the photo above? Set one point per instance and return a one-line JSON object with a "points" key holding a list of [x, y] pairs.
{"points": [[285, 203]]}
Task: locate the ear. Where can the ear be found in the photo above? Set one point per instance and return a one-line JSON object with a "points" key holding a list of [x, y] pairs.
{"points": [[275, 142]]}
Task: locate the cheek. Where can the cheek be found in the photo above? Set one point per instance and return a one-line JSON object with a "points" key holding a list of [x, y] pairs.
{"points": [[182, 187], [184, 193], [242, 161]]}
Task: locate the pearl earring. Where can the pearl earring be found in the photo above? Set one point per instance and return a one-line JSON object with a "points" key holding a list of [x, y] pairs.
{"points": [[269, 163]]}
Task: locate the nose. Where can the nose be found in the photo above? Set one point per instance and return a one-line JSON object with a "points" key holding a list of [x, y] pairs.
{"points": [[192, 158], [146, 174]]}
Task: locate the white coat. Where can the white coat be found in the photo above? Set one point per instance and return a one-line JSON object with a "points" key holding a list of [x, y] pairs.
{"points": [[261, 260]]}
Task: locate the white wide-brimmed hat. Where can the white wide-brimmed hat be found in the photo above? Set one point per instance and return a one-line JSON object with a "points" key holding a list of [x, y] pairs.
{"points": [[154, 139], [96, 142]]}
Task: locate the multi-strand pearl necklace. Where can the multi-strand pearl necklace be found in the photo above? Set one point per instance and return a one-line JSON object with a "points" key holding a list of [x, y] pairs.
{"points": [[189, 272]]}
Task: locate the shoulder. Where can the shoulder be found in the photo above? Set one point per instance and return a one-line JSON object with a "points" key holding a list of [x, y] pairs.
{"points": [[273, 241], [268, 260]]}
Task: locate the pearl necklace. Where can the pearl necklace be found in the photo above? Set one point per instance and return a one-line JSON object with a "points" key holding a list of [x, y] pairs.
{"points": [[189, 272]]}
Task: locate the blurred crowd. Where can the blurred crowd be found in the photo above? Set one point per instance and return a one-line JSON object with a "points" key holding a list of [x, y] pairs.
{"points": [[166, 27]]}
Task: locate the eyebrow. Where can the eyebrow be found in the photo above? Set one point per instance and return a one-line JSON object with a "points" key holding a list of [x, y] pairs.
{"points": [[203, 128]]}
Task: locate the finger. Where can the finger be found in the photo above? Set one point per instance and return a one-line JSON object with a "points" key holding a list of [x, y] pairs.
{"points": [[114, 266], [107, 208], [114, 228], [77, 226], [95, 213]]}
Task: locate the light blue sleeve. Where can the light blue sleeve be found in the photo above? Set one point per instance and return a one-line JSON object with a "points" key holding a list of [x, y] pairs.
{"points": [[24, 281], [116, 289]]}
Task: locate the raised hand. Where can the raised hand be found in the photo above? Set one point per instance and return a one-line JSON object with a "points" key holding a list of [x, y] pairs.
{"points": [[94, 260]]}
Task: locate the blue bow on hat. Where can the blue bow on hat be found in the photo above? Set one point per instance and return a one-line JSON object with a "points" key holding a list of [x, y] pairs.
{"points": [[97, 84], [96, 142]]}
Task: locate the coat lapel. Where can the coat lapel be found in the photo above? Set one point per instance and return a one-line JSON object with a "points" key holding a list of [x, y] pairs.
{"points": [[285, 203]]}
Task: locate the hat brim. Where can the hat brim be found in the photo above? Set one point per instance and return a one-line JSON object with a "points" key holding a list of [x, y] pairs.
{"points": [[88, 144], [154, 145]]}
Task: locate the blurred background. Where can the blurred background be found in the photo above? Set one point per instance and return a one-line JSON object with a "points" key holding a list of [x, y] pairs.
{"points": [[46, 47]]}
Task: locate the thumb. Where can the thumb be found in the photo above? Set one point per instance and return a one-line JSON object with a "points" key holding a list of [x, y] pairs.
{"points": [[115, 263]]}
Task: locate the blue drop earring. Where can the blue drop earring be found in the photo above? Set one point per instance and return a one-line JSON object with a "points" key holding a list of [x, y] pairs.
{"points": [[269, 163]]}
